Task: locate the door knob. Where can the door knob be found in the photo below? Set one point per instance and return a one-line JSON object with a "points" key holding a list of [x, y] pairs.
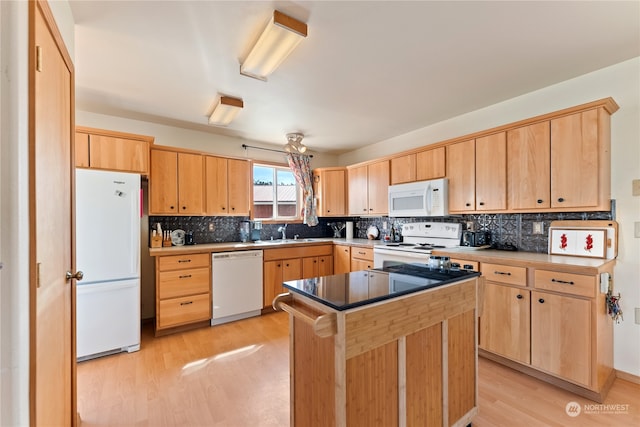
{"points": [[77, 275]]}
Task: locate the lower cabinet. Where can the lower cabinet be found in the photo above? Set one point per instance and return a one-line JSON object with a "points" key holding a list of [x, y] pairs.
{"points": [[284, 264], [361, 258], [341, 259], [183, 291], [552, 324]]}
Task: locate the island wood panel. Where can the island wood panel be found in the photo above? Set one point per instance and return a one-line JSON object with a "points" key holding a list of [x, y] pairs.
{"points": [[372, 387], [364, 332], [313, 376], [461, 366], [424, 377]]}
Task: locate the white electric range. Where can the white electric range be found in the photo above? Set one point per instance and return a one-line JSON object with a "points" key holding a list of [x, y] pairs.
{"points": [[419, 239]]}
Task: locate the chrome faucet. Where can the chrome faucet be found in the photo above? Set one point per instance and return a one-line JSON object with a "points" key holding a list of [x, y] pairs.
{"points": [[283, 229]]}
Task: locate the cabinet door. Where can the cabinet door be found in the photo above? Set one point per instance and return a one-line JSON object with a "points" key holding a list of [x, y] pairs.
{"points": [[216, 185], [333, 203], [361, 264], [574, 160], [528, 167], [291, 269], [239, 183], [561, 336], [190, 183], [341, 259], [403, 169], [163, 183], [504, 325], [430, 164], [491, 172], [325, 265], [310, 267], [272, 281], [127, 155], [462, 176], [378, 187], [82, 150], [358, 200]]}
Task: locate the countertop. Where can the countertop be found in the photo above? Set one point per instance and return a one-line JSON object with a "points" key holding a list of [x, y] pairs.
{"points": [[575, 264], [360, 288], [263, 244]]}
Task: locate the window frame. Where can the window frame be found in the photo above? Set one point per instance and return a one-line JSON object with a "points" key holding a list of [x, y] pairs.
{"points": [[276, 220]]}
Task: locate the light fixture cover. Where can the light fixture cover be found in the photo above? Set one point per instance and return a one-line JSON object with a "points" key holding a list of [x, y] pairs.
{"points": [[294, 143], [225, 111], [276, 42]]}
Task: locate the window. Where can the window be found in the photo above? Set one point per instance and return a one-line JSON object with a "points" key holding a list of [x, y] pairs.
{"points": [[277, 202]]}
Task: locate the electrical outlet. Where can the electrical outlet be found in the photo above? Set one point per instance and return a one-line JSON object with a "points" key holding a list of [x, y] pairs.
{"points": [[635, 187], [636, 229], [538, 227], [211, 227], [637, 315]]}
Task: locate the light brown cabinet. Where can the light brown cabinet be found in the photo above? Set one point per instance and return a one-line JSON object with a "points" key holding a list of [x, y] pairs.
{"points": [[176, 183], [330, 185], [368, 189], [361, 258], [284, 264], [403, 169], [228, 187], [110, 150], [529, 167], [431, 164], [461, 171], [183, 291], [341, 259]]}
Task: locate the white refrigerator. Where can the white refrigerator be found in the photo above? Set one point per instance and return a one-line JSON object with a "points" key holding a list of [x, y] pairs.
{"points": [[108, 252]]}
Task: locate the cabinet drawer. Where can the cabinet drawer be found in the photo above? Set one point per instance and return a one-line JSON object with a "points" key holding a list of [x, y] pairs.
{"points": [[179, 283], [180, 311], [568, 283], [504, 274], [175, 262], [362, 253]]}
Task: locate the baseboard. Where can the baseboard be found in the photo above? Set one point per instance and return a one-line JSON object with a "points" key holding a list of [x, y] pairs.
{"points": [[628, 377]]}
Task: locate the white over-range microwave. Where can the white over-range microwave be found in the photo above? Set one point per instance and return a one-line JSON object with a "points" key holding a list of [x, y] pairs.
{"points": [[421, 198]]}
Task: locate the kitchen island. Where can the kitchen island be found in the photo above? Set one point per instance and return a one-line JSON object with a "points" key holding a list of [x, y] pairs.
{"points": [[383, 347]]}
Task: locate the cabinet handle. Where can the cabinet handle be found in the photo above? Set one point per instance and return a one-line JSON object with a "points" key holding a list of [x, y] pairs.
{"points": [[539, 201], [361, 253], [370, 209], [365, 209], [186, 303], [286, 265], [322, 260], [502, 272], [184, 260], [519, 296], [315, 261], [562, 281], [560, 199], [186, 276], [481, 203], [184, 208], [223, 208], [277, 265], [233, 209], [541, 300], [171, 208], [467, 204]]}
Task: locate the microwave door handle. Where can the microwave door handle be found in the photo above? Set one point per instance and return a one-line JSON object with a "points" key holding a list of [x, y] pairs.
{"points": [[429, 199]]}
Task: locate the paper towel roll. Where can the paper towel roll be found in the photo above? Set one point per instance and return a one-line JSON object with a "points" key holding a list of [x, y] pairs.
{"points": [[349, 230]]}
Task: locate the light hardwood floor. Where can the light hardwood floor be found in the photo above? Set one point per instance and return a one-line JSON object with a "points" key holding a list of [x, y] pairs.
{"points": [[237, 375]]}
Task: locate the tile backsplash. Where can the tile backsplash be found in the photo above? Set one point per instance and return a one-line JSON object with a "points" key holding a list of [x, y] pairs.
{"points": [[516, 229]]}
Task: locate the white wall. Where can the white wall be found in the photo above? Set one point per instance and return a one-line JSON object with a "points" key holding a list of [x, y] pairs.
{"points": [[195, 140], [14, 215], [622, 82]]}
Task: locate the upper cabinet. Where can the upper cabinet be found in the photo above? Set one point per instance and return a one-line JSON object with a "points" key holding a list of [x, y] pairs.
{"points": [[420, 166], [528, 167], [581, 160], [228, 186], [461, 171], [176, 183], [330, 191], [368, 189], [109, 150]]}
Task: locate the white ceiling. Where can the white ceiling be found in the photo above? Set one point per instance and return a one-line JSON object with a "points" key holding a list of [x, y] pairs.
{"points": [[368, 70]]}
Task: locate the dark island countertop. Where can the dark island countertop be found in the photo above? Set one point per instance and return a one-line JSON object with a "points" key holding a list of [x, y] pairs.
{"points": [[359, 288]]}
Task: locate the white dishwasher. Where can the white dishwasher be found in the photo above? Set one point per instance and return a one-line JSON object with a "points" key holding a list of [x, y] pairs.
{"points": [[236, 285]]}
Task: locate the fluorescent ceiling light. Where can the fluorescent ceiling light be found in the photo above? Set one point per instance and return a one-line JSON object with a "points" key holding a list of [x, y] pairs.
{"points": [[225, 111], [277, 41]]}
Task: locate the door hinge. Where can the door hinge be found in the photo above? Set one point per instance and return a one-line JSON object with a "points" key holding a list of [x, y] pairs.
{"points": [[38, 58], [37, 275]]}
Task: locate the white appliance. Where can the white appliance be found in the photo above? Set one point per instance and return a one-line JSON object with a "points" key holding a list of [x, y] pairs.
{"points": [[421, 198], [108, 252], [419, 239], [236, 285]]}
